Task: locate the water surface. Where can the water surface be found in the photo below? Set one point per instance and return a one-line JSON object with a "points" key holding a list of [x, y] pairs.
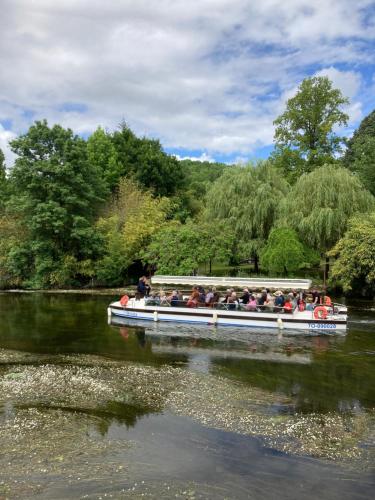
{"points": [[135, 408]]}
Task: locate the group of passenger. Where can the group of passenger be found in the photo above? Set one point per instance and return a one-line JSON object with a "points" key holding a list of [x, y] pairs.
{"points": [[265, 300]]}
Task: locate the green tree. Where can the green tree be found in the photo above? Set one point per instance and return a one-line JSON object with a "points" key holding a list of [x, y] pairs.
{"points": [[145, 160], [320, 204], [355, 253], [57, 192], [126, 227], [247, 199], [284, 253], [360, 154], [363, 163], [101, 154], [365, 130], [304, 133], [180, 249]]}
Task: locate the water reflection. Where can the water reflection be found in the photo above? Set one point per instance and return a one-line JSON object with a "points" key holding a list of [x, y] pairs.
{"points": [[315, 371], [91, 387]]}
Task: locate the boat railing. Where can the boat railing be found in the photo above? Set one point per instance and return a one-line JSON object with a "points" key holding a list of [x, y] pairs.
{"points": [[332, 309], [221, 306]]}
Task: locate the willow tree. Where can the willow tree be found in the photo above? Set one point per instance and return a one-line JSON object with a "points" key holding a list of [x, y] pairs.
{"points": [[248, 198], [320, 204]]}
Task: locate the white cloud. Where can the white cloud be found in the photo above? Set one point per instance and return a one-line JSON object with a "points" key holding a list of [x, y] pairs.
{"points": [[202, 157], [5, 137], [202, 75]]}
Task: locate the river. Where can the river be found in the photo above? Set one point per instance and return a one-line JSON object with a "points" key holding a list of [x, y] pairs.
{"points": [[151, 410]]}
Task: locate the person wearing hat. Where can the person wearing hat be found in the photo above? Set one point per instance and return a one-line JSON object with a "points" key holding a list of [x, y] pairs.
{"points": [[279, 299]]}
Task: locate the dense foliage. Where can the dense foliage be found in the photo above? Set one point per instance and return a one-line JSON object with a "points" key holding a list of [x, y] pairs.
{"points": [[304, 133], [75, 212], [355, 252], [284, 253], [320, 204], [248, 198]]}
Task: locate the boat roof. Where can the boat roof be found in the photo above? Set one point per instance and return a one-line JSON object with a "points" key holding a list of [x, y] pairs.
{"points": [[298, 284]]}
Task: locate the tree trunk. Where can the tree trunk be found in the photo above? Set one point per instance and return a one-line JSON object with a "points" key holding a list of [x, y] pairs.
{"points": [[256, 264], [326, 271], [210, 266]]}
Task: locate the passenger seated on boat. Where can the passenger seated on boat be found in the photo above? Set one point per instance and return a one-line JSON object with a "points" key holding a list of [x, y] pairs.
{"points": [[209, 298], [174, 298], [288, 306], [202, 295], [216, 299], [245, 296], [163, 298], [269, 304], [252, 304], [263, 298], [232, 301], [279, 300], [194, 298]]}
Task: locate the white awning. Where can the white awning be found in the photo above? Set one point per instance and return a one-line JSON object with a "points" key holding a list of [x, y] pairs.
{"points": [[276, 283]]}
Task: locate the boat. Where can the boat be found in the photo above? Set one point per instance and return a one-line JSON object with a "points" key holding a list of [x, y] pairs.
{"points": [[323, 318]]}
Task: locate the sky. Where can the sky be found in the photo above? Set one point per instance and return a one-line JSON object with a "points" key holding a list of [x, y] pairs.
{"points": [[206, 77]]}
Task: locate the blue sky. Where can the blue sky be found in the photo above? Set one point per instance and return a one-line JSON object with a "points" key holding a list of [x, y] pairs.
{"points": [[206, 77]]}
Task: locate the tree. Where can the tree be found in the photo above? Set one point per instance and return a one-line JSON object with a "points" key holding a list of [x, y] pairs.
{"points": [[129, 222], [363, 163], [304, 133], [102, 154], [284, 252], [57, 193], [180, 249], [145, 160], [365, 130], [320, 204], [355, 253], [248, 199], [360, 154]]}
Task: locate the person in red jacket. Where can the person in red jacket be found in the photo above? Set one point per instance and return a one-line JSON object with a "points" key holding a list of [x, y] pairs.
{"points": [[288, 306]]}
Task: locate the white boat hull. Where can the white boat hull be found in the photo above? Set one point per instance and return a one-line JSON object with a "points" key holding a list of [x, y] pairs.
{"points": [[136, 309]]}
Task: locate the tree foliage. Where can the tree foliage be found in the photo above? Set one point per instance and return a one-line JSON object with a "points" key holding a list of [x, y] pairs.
{"points": [[364, 162], [360, 154], [365, 130], [320, 204], [132, 217], [248, 198], [284, 253], [180, 249], [145, 160], [304, 133], [101, 154], [57, 192], [355, 252]]}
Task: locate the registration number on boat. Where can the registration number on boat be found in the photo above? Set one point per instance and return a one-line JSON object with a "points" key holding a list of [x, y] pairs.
{"points": [[322, 326]]}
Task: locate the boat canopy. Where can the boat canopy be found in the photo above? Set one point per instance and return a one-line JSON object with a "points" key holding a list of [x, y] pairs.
{"points": [[295, 284]]}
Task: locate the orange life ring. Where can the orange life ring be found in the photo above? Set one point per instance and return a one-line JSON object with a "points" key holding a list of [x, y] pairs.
{"points": [[320, 312], [124, 300]]}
